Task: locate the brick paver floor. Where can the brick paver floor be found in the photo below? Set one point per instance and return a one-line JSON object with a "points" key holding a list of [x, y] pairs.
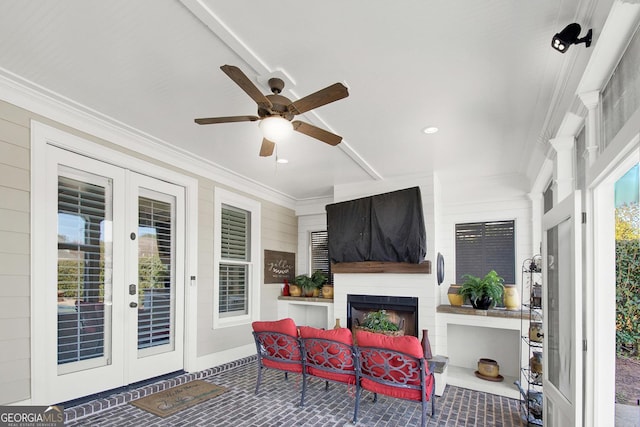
{"points": [[277, 404]]}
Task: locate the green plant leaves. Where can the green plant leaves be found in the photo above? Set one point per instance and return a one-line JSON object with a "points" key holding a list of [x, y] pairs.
{"points": [[491, 285], [627, 292], [378, 321]]}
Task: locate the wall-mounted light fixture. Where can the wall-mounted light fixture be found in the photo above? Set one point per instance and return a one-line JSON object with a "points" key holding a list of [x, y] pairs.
{"points": [[565, 38]]}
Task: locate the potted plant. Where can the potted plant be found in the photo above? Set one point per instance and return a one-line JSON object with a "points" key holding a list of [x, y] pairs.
{"points": [[322, 282], [380, 322], [483, 292], [308, 285]]}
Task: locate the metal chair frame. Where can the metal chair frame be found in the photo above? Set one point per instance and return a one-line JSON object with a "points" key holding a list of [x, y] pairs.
{"points": [[329, 356], [394, 369], [277, 347]]}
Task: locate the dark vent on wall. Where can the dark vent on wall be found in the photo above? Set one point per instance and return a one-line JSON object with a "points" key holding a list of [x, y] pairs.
{"points": [[320, 253], [485, 246]]}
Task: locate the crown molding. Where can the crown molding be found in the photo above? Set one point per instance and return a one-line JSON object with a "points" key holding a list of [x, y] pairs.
{"points": [[38, 100]]}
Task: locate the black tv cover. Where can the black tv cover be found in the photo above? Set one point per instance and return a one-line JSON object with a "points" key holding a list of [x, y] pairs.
{"points": [[385, 227]]}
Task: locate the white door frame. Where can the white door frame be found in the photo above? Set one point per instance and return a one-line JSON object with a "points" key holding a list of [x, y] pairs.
{"points": [[564, 407], [43, 135], [602, 286]]}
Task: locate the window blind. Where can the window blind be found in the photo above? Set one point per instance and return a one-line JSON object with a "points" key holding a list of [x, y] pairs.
{"points": [[235, 241], [485, 246], [235, 234], [155, 271], [320, 253], [82, 209]]}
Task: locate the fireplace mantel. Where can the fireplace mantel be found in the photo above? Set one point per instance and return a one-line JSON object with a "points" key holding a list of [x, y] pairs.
{"points": [[381, 267]]}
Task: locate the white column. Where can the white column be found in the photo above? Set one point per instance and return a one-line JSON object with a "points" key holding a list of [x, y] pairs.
{"points": [[591, 100], [564, 175]]}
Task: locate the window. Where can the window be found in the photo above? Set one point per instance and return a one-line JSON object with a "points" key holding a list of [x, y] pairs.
{"points": [[547, 198], [485, 246], [621, 95], [234, 264], [320, 253], [84, 217], [236, 298]]}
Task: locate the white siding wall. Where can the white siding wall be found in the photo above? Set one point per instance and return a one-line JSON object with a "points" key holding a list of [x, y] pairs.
{"points": [[14, 254], [306, 225], [445, 204], [496, 198], [279, 232], [491, 199]]}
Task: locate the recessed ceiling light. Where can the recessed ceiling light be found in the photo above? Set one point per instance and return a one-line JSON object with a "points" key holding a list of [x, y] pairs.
{"points": [[282, 161], [430, 129]]}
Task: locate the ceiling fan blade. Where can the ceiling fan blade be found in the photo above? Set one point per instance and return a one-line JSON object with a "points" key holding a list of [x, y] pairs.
{"points": [[247, 85], [266, 149], [317, 133], [232, 119], [318, 99]]}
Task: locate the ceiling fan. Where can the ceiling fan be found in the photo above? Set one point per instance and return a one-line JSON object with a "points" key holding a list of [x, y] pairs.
{"points": [[277, 110]]}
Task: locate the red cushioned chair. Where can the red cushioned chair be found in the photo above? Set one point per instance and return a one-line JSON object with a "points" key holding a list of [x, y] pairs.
{"points": [[278, 347], [327, 354], [395, 367]]}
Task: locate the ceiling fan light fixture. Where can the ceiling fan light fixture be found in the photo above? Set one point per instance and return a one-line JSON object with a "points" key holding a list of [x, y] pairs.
{"points": [[430, 129], [276, 129]]}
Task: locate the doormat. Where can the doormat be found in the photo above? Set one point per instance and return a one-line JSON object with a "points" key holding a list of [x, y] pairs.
{"points": [[175, 399]]}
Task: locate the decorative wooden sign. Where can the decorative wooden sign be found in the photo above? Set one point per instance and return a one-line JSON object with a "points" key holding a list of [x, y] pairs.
{"points": [[279, 266]]}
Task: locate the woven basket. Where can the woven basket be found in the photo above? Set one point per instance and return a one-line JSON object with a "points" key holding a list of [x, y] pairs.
{"points": [[388, 333]]}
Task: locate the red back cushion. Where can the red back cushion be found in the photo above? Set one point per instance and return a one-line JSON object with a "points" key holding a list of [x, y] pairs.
{"points": [[406, 344], [277, 346], [285, 326], [402, 373], [338, 357], [342, 335]]}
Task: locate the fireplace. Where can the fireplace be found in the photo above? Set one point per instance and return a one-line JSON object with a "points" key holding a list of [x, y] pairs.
{"points": [[402, 310]]}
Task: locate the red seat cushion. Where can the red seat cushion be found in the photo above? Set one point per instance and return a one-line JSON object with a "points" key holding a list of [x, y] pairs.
{"points": [[402, 393], [287, 349], [405, 344], [342, 360], [283, 366]]}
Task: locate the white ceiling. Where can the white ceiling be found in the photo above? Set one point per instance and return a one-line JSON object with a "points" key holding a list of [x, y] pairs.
{"points": [[482, 71]]}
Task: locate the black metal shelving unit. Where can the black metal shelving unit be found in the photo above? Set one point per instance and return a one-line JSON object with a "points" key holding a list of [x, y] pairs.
{"points": [[530, 382]]}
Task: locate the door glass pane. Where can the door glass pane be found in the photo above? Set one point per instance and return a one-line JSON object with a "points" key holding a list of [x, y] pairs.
{"points": [[155, 272], [559, 306], [84, 267]]}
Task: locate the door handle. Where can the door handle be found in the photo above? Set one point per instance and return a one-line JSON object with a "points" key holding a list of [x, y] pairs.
{"points": [[133, 304]]}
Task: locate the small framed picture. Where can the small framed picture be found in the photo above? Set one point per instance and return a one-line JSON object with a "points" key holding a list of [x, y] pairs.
{"points": [[279, 266]]}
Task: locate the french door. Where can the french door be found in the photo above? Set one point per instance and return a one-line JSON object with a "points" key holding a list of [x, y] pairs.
{"points": [[562, 302], [113, 310]]}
